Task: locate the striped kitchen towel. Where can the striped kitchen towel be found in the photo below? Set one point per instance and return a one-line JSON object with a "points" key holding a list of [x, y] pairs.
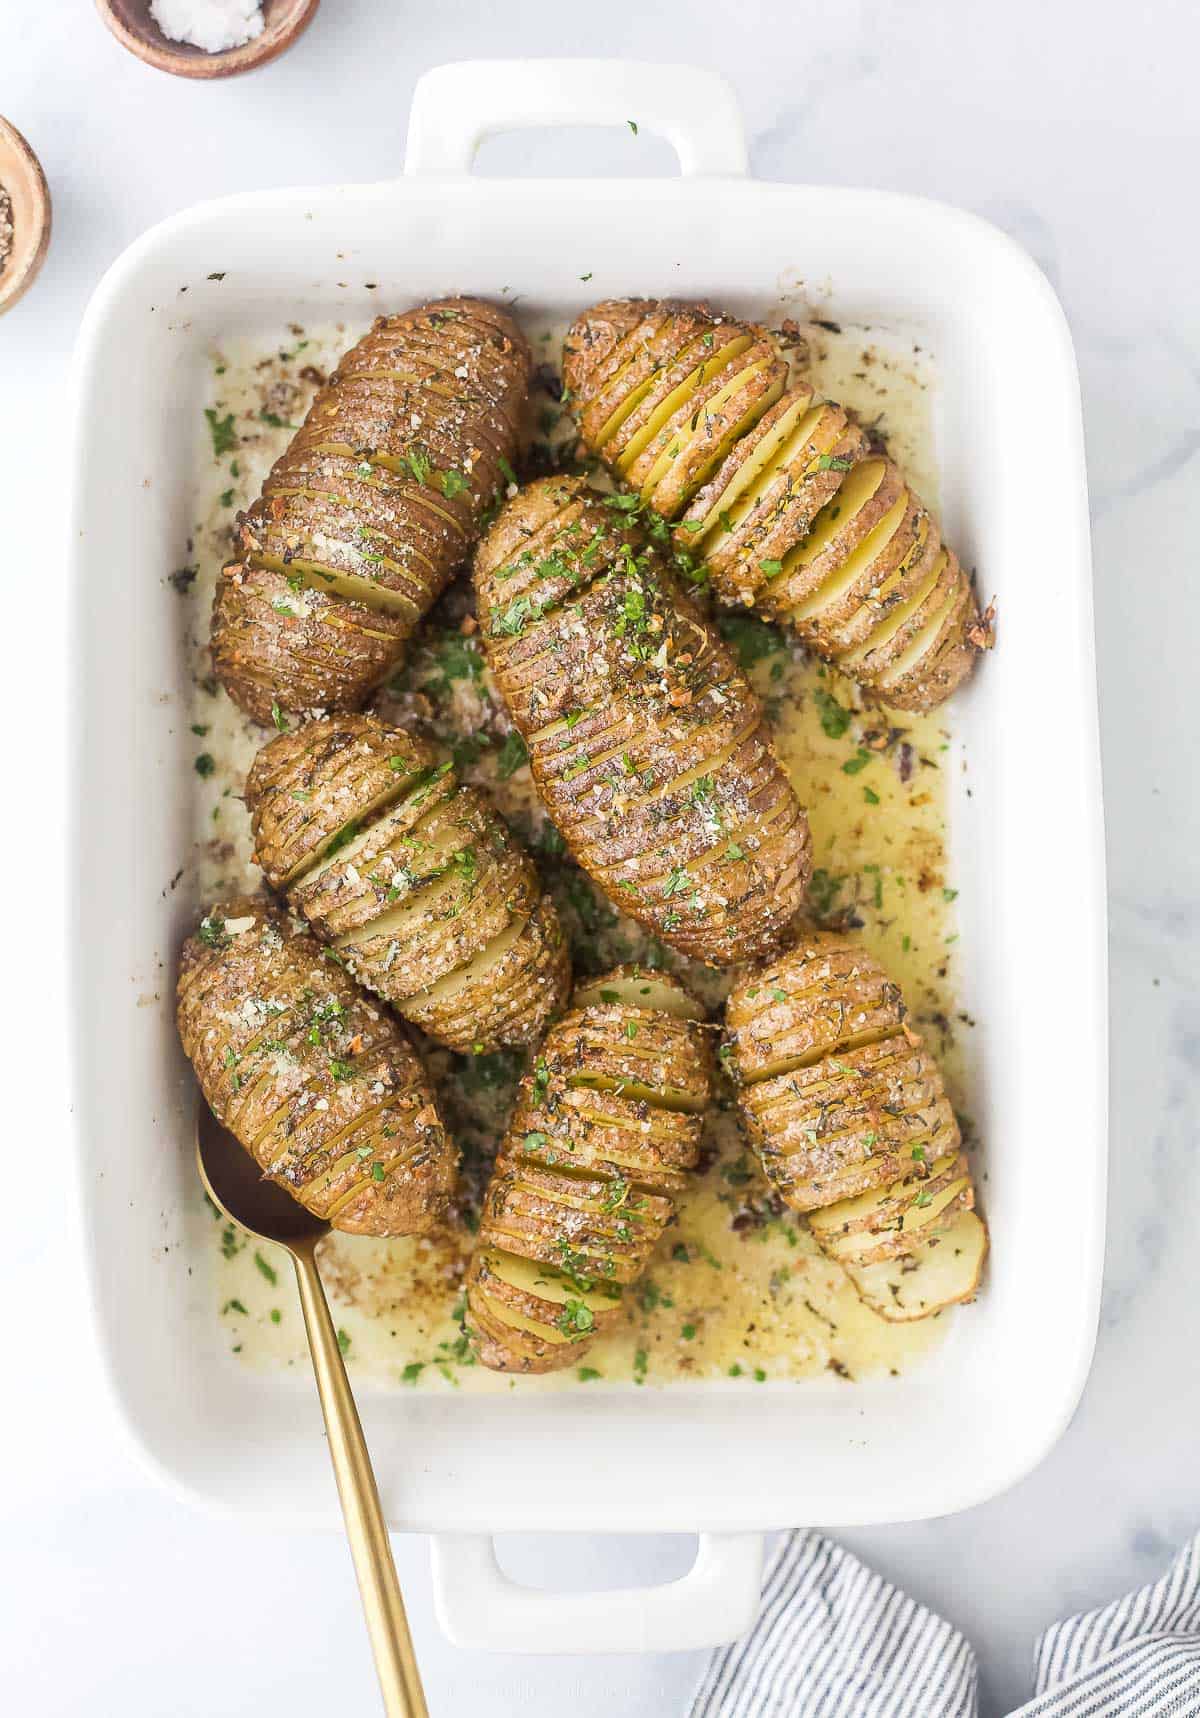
{"points": [[835, 1640]]}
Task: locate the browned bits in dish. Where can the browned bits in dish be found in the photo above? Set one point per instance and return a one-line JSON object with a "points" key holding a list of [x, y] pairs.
{"points": [[776, 493], [315, 1079], [849, 1116], [411, 877], [645, 740], [373, 506], [606, 1128]]}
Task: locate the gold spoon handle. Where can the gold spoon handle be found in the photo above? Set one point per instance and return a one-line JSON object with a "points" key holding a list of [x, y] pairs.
{"points": [[387, 1625]]}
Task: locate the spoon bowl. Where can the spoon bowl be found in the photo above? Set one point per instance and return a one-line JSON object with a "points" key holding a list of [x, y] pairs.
{"points": [[235, 1183]]}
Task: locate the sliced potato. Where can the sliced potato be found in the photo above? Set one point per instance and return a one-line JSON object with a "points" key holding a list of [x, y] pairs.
{"points": [[582, 1186], [638, 987], [314, 1078], [776, 493], [412, 877], [887, 1220], [370, 509], [645, 740], [845, 1106], [934, 1274]]}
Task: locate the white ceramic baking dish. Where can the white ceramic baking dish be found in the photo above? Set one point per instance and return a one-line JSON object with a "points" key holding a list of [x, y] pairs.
{"points": [[1027, 837]]}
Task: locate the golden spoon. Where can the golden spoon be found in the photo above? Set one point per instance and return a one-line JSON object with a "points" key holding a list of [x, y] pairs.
{"points": [[269, 1213]]}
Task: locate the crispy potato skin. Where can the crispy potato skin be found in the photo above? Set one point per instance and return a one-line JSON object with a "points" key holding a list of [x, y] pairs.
{"points": [[314, 1078], [605, 1130], [839, 1095], [371, 508], [645, 740], [797, 517], [412, 877]]}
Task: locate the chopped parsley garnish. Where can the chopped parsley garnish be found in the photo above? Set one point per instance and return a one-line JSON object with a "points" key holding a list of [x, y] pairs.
{"points": [[205, 764], [212, 932], [278, 717], [576, 1318], [268, 1270], [835, 718], [419, 465], [224, 436], [858, 762], [752, 639], [823, 889], [342, 838], [512, 754]]}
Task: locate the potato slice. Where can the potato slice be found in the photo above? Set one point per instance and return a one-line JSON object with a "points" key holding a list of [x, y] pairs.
{"points": [[936, 1273], [777, 494], [886, 1220], [633, 987]]}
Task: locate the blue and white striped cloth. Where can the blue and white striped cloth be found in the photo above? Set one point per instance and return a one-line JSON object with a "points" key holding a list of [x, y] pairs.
{"points": [[835, 1640]]}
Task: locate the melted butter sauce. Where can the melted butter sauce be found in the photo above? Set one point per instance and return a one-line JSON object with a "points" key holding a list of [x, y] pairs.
{"points": [[738, 1289]]}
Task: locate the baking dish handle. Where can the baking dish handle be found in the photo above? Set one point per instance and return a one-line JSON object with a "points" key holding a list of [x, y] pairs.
{"points": [[455, 107], [479, 1606]]}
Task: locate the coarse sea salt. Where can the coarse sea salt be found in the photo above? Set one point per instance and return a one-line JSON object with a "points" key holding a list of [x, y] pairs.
{"points": [[213, 25]]}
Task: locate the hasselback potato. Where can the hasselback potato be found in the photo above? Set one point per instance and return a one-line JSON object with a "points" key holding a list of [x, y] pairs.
{"points": [[606, 1127], [412, 878], [850, 1118], [645, 740], [315, 1079], [775, 492], [374, 504]]}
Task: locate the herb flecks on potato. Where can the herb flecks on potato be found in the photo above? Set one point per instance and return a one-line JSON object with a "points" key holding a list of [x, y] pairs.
{"points": [[850, 1118], [372, 507], [315, 1079], [775, 493], [606, 1128], [413, 879], [647, 745]]}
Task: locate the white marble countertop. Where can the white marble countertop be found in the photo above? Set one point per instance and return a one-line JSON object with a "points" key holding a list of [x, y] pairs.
{"points": [[1076, 129]]}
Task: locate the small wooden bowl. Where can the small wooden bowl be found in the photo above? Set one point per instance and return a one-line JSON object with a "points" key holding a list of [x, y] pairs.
{"points": [[22, 177], [132, 25]]}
